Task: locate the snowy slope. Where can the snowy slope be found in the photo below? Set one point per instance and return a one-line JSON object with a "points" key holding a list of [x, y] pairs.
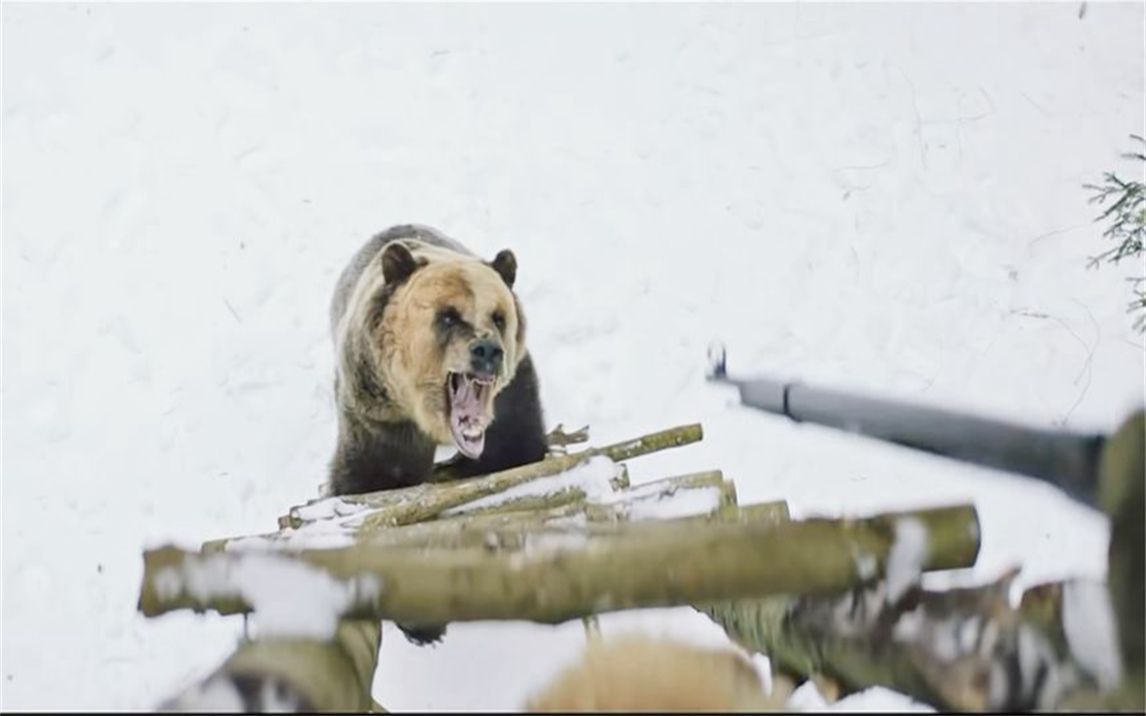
{"points": [[882, 198]]}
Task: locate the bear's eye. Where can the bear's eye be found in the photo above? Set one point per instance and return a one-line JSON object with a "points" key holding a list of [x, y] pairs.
{"points": [[448, 318], [498, 319]]}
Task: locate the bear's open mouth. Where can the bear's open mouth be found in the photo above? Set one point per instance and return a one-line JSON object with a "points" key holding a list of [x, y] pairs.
{"points": [[469, 397]]}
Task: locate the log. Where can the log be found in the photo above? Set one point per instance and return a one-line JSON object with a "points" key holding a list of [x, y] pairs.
{"points": [[392, 508], [558, 441], [962, 649], [1023, 658], [462, 526], [556, 578], [1122, 495]]}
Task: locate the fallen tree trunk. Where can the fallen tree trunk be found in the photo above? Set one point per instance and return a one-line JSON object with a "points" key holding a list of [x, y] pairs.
{"points": [[560, 577]]}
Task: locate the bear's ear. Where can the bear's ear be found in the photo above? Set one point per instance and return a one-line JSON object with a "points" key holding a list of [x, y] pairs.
{"points": [[505, 263], [397, 263]]}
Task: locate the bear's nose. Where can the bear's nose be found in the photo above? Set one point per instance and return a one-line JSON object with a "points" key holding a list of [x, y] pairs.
{"points": [[485, 357]]}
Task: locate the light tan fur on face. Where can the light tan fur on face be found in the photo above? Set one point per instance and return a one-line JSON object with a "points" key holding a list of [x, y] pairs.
{"points": [[637, 673], [413, 361]]}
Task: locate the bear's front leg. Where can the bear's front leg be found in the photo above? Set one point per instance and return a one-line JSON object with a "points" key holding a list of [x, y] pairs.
{"points": [[379, 456]]}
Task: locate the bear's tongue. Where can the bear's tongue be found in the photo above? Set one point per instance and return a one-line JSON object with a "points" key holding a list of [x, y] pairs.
{"points": [[467, 422]]}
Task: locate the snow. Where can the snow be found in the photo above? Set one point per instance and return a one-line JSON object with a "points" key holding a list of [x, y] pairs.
{"points": [[1091, 630], [906, 557], [659, 500], [763, 667], [867, 566], [327, 509], [590, 478], [1037, 666], [682, 503], [288, 597], [310, 536], [871, 198], [880, 700]]}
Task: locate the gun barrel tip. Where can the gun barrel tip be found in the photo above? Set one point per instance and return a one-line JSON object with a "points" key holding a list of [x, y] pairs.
{"points": [[717, 361]]}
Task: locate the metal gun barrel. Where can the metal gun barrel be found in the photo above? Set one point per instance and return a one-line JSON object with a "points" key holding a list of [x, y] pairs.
{"points": [[1067, 460]]}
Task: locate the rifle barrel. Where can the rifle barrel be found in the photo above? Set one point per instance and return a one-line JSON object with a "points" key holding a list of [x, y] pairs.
{"points": [[1067, 460]]}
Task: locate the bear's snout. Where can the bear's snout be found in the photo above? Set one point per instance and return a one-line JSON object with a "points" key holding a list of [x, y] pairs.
{"points": [[485, 358]]}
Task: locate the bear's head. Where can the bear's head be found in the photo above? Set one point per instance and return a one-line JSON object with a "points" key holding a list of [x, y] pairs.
{"points": [[449, 339]]}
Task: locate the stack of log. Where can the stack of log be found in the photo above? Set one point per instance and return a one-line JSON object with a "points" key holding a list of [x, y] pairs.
{"points": [[838, 600]]}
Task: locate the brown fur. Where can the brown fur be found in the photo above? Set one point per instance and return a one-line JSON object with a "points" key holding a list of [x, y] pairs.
{"points": [[414, 362], [642, 674], [393, 357]]}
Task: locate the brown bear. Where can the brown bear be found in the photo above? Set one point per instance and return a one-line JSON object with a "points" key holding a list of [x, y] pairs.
{"points": [[430, 350]]}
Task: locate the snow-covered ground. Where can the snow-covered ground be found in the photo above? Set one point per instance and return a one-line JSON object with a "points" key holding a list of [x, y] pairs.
{"points": [[881, 198]]}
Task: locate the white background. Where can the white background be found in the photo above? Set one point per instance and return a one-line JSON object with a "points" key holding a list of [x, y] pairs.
{"points": [[884, 199]]}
